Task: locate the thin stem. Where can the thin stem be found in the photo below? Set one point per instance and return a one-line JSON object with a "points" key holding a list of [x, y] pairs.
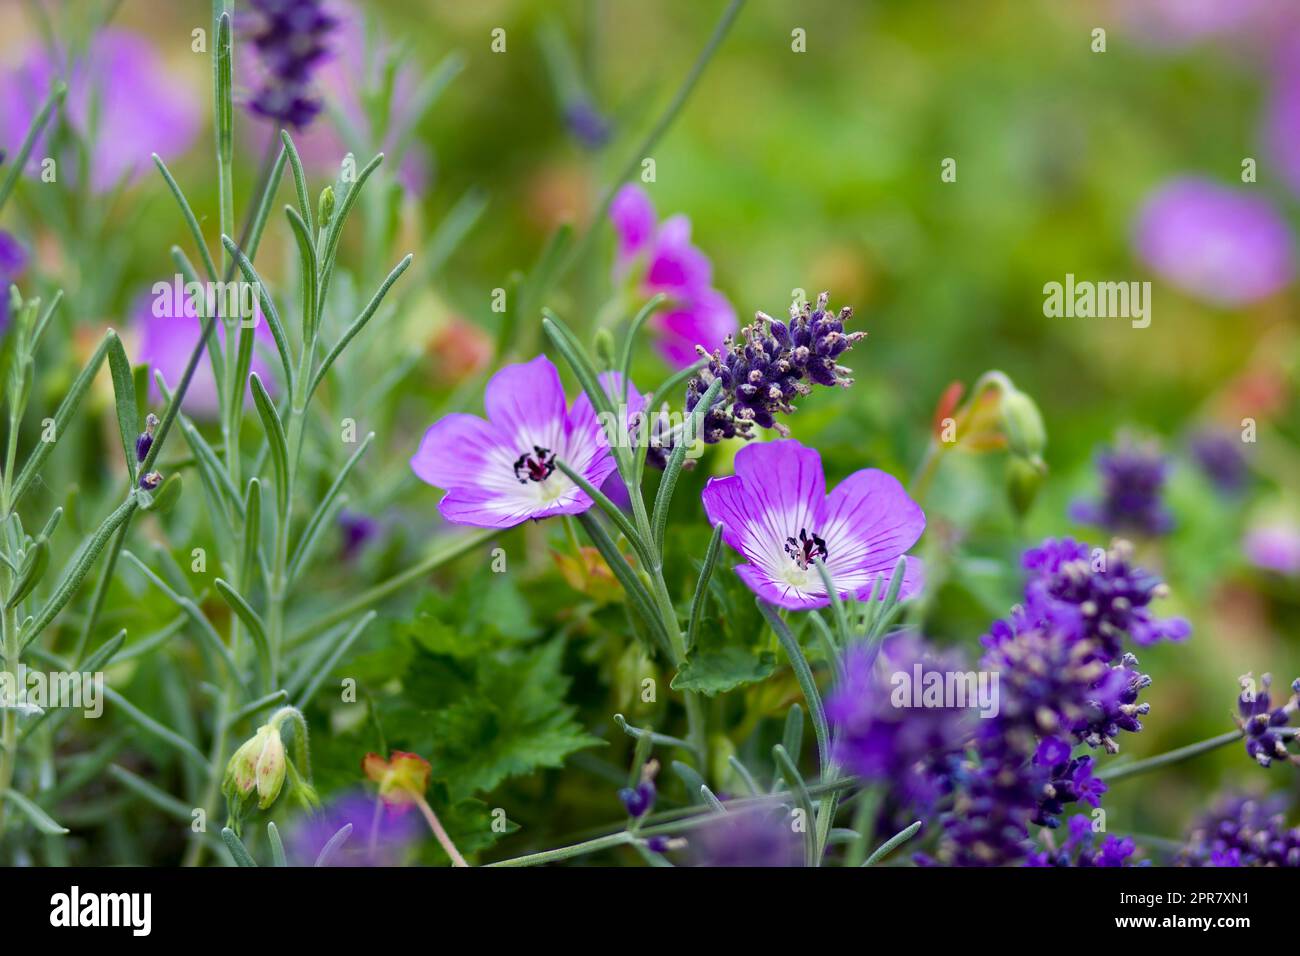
{"points": [[436, 826], [1171, 757]]}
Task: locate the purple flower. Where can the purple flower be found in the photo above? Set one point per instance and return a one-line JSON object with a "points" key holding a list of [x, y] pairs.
{"points": [[169, 328], [771, 363], [587, 124], [638, 800], [670, 263], [1133, 478], [501, 472], [1260, 722], [381, 835], [1274, 548], [878, 735], [776, 513], [747, 839], [290, 38], [1218, 453], [1226, 247], [120, 98], [1243, 831], [13, 259], [358, 531], [1097, 596], [1081, 848]]}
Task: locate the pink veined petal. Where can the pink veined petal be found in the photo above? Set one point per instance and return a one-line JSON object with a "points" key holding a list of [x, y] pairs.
{"points": [[870, 522], [726, 502], [526, 405], [676, 265], [463, 451], [490, 508], [784, 479]]}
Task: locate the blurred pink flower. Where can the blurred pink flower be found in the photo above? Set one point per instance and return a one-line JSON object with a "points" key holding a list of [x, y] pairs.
{"points": [[1215, 243], [120, 96], [1274, 547]]}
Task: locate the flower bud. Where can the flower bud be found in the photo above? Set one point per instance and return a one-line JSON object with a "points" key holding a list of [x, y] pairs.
{"points": [[402, 779], [325, 207], [1023, 424], [1024, 478], [603, 345], [259, 764]]}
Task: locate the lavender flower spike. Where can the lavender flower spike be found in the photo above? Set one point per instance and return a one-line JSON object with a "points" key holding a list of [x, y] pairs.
{"points": [[501, 472], [776, 513], [769, 365], [290, 38]]}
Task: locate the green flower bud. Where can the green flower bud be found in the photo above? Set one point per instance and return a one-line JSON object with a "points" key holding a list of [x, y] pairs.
{"points": [[325, 207], [1023, 424], [270, 768], [1024, 478], [259, 764], [603, 343]]}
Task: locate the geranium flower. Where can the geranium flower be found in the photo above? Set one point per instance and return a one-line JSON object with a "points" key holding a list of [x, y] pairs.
{"points": [[776, 513], [501, 472], [673, 265]]}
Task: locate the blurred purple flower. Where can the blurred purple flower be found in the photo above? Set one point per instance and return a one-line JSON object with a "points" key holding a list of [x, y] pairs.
{"points": [[13, 259], [1274, 547], [1218, 453], [1221, 245], [500, 472], [1170, 23], [587, 124], [120, 97], [747, 839], [670, 263], [358, 531], [167, 336], [1243, 831], [880, 740], [775, 512], [1132, 486], [381, 835], [1081, 848]]}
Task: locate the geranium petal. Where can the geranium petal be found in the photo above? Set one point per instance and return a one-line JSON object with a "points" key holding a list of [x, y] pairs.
{"points": [[525, 402]]}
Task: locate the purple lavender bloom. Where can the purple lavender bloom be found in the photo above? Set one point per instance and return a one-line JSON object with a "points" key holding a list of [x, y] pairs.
{"points": [[1260, 721], [776, 513], [358, 531], [1097, 596], [1080, 848], [13, 260], [381, 835], [290, 37], [1243, 831], [1274, 548], [670, 263], [771, 363], [878, 736], [501, 472], [120, 98], [587, 124], [169, 330], [1133, 478], [1225, 247], [638, 800], [747, 839], [1218, 453]]}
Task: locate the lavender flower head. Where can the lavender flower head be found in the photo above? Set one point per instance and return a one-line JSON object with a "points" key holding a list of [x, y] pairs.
{"points": [[501, 472], [879, 736], [1081, 848], [1133, 478], [775, 512], [291, 39], [1242, 831], [121, 99], [1222, 246], [769, 365], [1218, 454], [1261, 722], [381, 835], [662, 259]]}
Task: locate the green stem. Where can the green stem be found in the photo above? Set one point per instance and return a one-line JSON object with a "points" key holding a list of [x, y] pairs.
{"points": [[1171, 757]]}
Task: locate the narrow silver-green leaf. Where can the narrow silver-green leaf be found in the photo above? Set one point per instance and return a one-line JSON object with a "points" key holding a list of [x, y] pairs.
{"points": [[237, 848], [38, 817], [278, 443]]}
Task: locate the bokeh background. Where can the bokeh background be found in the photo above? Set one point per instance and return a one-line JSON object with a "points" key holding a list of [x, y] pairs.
{"points": [[798, 170]]}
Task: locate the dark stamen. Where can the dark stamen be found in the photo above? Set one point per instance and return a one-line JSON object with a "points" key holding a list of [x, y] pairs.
{"points": [[805, 549], [537, 466]]}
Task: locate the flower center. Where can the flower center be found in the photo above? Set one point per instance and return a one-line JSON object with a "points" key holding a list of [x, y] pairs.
{"points": [[805, 549], [535, 466]]}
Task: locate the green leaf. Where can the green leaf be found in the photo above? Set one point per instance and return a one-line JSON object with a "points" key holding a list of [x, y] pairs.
{"points": [[324, 511], [190, 219], [256, 629], [277, 845], [38, 817], [333, 845], [19, 159], [33, 569], [275, 438], [307, 266], [269, 311], [237, 848], [719, 670]]}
